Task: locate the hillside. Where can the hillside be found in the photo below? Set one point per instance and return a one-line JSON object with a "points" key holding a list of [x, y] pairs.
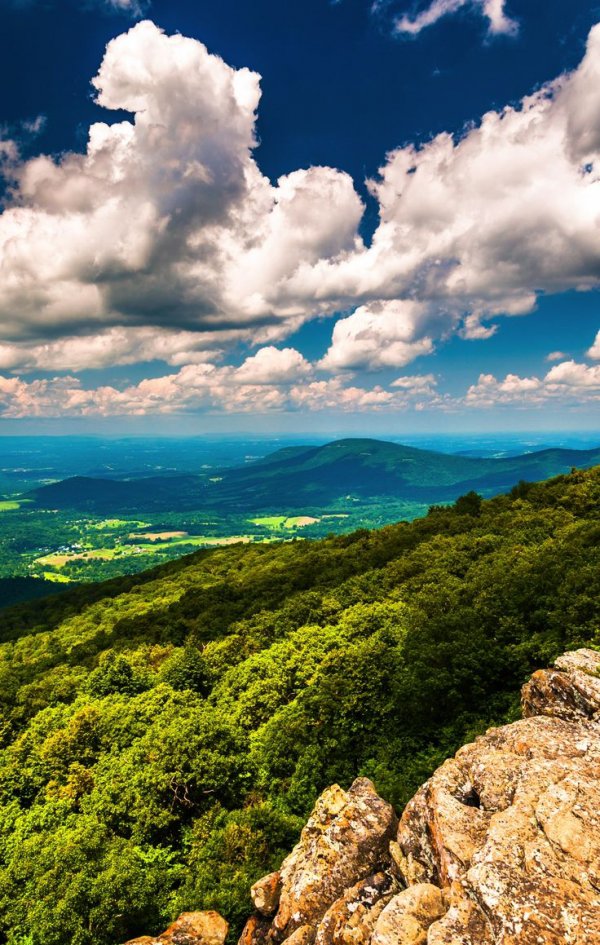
{"points": [[317, 477], [165, 736], [366, 468], [17, 590], [116, 495]]}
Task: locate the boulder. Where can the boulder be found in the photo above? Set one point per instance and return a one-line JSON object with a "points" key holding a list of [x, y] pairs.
{"points": [[406, 919], [570, 691], [191, 928], [345, 840], [265, 894], [255, 931], [305, 935], [500, 847], [351, 919]]}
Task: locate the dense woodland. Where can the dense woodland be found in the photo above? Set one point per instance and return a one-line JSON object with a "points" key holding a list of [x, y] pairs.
{"points": [[164, 735]]}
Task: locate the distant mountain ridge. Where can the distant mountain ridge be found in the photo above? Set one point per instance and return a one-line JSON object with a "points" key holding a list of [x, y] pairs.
{"points": [[318, 476]]}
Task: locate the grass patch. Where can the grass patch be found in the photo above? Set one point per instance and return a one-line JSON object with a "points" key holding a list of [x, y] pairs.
{"points": [[284, 521], [55, 577], [269, 521], [9, 505], [109, 523], [202, 541], [60, 559], [301, 521], [156, 536]]}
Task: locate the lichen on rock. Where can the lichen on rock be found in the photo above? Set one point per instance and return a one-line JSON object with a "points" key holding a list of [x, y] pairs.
{"points": [[191, 928]]}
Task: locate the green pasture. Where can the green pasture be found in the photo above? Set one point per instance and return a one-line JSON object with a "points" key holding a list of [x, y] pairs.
{"points": [[285, 521]]}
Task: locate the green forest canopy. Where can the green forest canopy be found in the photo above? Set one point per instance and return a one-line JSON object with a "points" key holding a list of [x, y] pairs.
{"points": [[164, 736]]}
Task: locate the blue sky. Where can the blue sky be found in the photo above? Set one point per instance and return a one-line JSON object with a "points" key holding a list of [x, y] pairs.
{"points": [[184, 254]]}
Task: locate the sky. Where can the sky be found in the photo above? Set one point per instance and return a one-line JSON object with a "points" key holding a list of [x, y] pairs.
{"points": [[347, 215]]}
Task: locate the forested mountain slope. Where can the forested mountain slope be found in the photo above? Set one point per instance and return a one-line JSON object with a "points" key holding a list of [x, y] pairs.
{"points": [[296, 478], [165, 736]]}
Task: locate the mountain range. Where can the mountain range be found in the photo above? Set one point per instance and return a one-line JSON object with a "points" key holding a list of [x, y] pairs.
{"points": [[301, 477]]}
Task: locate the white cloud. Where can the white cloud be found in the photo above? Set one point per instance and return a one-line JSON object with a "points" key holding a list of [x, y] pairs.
{"points": [[416, 383], [116, 346], [382, 334], [489, 220], [594, 351], [193, 387], [164, 240], [499, 22], [556, 356], [273, 366], [479, 225], [572, 374], [569, 384], [166, 220], [332, 395], [273, 379], [266, 384]]}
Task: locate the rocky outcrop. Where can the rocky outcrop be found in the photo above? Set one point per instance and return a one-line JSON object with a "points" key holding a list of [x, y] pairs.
{"points": [[191, 928], [570, 691], [500, 847], [346, 838]]}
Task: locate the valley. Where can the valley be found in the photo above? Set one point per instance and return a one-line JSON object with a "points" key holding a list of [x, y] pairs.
{"points": [[134, 506]]}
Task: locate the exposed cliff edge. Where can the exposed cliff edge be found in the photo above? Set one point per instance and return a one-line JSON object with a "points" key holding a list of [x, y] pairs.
{"points": [[501, 846]]}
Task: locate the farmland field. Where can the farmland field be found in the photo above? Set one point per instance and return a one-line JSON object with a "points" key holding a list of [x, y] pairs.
{"points": [[71, 546], [283, 521]]}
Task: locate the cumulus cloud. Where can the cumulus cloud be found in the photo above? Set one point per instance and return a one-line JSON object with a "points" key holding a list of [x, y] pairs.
{"points": [[490, 219], [594, 351], [415, 393], [165, 241], [572, 374], [267, 382], [382, 334], [273, 366], [479, 225], [257, 385], [569, 383], [556, 356], [271, 380], [499, 22], [416, 383], [167, 219], [116, 346]]}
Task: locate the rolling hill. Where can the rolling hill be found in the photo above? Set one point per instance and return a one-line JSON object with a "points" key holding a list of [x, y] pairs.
{"points": [[295, 478]]}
